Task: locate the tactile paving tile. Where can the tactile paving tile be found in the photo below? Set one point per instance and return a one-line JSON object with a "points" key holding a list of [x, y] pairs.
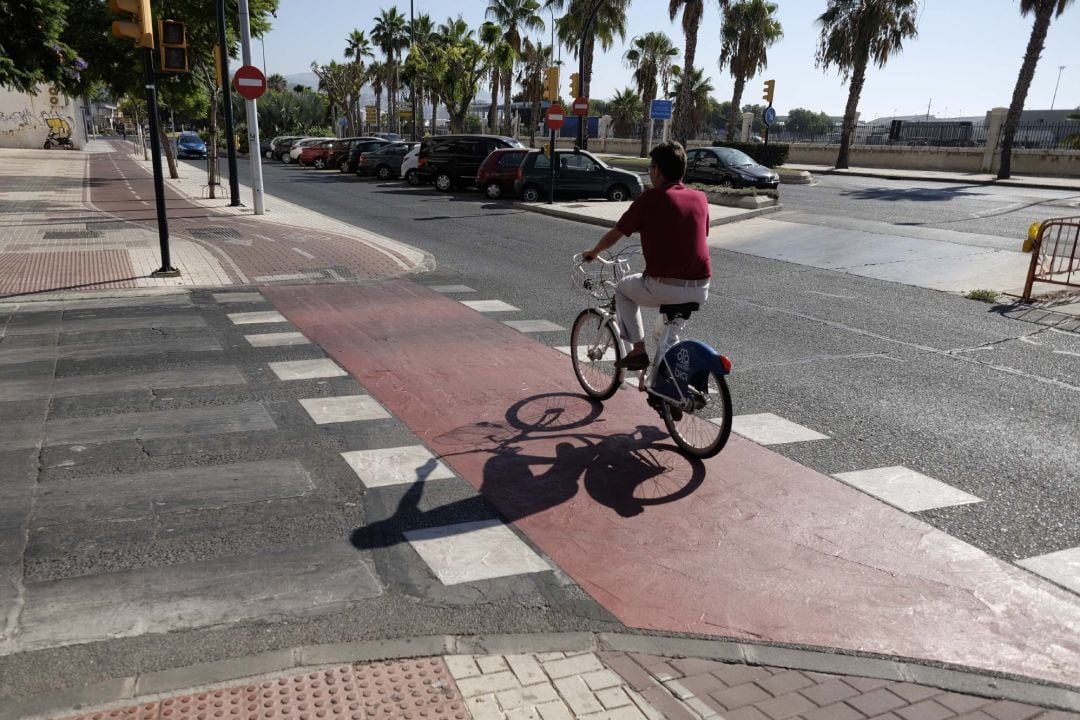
{"points": [[408, 689]]}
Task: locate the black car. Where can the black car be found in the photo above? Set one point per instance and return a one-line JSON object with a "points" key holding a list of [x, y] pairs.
{"points": [[728, 167], [352, 162], [577, 174], [281, 145], [451, 161]]}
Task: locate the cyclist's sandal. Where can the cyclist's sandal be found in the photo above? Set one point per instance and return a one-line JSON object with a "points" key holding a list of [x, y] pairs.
{"points": [[637, 361]]}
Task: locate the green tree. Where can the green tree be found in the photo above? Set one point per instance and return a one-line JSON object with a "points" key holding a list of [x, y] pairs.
{"points": [[389, 33], [342, 84], [854, 32], [456, 63], [357, 49], [277, 82], [501, 61], [376, 75], [535, 59], [807, 122], [516, 17], [750, 29], [610, 21], [31, 49], [650, 57], [421, 35], [626, 111], [1044, 11], [692, 12], [1072, 140], [695, 86]]}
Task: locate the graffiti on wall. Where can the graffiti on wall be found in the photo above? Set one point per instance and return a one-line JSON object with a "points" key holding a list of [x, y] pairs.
{"points": [[27, 119]]}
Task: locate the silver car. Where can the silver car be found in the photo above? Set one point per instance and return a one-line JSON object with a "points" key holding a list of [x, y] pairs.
{"points": [[385, 163]]}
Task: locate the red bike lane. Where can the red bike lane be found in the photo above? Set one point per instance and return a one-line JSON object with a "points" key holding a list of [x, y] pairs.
{"points": [[745, 545]]}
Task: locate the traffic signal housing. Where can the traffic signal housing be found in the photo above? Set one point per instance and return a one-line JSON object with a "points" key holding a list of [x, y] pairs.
{"points": [[575, 85], [770, 88], [139, 27], [551, 84], [172, 46]]}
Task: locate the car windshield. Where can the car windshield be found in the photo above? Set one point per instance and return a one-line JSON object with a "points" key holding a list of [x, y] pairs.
{"points": [[190, 140], [734, 158]]}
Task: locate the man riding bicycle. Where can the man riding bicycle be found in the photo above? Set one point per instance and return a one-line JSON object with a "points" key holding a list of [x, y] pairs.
{"points": [[674, 224]]}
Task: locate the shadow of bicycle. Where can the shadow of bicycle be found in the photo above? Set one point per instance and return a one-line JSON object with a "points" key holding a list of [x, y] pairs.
{"points": [[537, 458]]}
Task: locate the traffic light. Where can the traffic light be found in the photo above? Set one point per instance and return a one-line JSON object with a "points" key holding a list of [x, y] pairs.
{"points": [[551, 84], [770, 87], [575, 85], [139, 27], [172, 46], [219, 77]]}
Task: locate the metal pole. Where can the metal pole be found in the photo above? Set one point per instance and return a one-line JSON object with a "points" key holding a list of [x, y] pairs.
{"points": [[1060, 68], [551, 185], [254, 156], [226, 99], [412, 85], [166, 269], [582, 135]]}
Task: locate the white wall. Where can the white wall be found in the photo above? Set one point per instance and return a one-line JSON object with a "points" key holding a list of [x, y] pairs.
{"points": [[22, 117]]}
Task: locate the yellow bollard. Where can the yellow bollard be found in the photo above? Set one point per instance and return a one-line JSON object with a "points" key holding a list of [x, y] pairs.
{"points": [[1029, 242]]}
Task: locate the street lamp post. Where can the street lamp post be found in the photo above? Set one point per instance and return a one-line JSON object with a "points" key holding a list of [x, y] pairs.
{"points": [[412, 85], [1060, 68], [582, 135]]}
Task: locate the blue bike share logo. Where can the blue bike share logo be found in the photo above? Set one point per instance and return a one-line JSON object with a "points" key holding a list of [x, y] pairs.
{"points": [[682, 365]]}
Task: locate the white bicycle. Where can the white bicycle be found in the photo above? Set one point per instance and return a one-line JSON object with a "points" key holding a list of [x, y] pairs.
{"points": [[685, 381]]}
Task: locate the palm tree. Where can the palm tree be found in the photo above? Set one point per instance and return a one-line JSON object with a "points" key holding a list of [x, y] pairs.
{"points": [[502, 60], [650, 57], [692, 11], [1072, 140], [695, 86], [626, 111], [358, 47], [515, 16], [421, 35], [610, 22], [376, 75], [854, 32], [750, 28], [277, 82], [535, 59], [389, 34], [1045, 11]]}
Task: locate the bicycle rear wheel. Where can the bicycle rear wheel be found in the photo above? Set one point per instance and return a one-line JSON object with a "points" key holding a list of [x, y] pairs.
{"points": [[594, 348], [702, 429]]}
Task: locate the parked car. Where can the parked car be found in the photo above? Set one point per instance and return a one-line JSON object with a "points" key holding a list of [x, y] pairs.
{"points": [[408, 166], [337, 151], [363, 145], [577, 174], [452, 161], [385, 162], [392, 137], [316, 154], [728, 167], [190, 145], [280, 146], [265, 147], [499, 170], [298, 147]]}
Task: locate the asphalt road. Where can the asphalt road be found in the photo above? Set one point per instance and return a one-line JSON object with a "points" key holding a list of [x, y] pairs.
{"points": [[895, 375]]}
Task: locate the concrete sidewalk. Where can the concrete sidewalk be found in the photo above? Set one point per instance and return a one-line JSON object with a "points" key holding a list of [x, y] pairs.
{"points": [[1026, 181]]}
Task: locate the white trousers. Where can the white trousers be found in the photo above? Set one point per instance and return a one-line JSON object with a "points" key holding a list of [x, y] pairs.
{"points": [[637, 291]]}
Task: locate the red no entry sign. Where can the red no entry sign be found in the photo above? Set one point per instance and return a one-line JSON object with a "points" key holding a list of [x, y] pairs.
{"points": [[250, 82], [581, 106], [556, 116]]}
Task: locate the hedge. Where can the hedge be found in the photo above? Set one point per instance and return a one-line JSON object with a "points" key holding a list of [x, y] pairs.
{"points": [[771, 155]]}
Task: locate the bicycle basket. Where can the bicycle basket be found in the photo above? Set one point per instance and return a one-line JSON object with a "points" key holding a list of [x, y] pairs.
{"points": [[598, 279]]}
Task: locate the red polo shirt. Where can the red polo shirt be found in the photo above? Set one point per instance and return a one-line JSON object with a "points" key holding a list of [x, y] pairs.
{"points": [[674, 223]]}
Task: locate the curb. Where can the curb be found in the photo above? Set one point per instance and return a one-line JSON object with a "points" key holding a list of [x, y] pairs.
{"points": [[1050, 185], [120, 692], [606, 223]]}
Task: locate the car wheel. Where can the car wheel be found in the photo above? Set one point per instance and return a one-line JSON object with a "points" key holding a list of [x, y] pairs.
{"points": [[319, 163], [493, 190], [412, 177], [618, 193], [530, 193], [268, 154], [383, 172], [444, 182], [343, 166], [287, 159], [726, 182]]}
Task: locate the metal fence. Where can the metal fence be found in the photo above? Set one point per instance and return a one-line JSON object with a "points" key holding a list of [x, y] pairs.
{"points": [[1032, 135], [1055, 257]]}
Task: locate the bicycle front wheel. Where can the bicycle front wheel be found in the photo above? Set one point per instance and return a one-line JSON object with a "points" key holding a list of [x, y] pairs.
{"points": [[594, 348], [701, 428]]}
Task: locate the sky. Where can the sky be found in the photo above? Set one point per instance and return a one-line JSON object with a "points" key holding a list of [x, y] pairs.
{"points": [[964, 61]]}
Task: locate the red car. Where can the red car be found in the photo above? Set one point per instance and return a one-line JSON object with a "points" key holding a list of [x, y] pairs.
{"points": [[317, 155], [499, 170]]}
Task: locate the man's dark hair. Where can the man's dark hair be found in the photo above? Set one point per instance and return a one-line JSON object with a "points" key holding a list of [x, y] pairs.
{"points": [[670, 158]]}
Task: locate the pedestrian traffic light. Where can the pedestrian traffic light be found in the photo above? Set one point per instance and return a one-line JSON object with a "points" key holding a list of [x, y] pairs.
{"points": [[575, 85], [770, 87], [139, 27], [551, 84], [172, 46]]}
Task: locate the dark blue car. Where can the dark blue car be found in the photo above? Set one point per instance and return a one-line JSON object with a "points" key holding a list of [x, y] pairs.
{"points": [[190, 145]]}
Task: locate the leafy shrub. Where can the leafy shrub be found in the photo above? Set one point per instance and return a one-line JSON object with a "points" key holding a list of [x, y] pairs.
{"points": [[771, 155]]}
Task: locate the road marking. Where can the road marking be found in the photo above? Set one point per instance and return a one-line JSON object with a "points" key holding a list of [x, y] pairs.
{"points": [[238, 297], [277, 339], [769, 429], [396, 466], [451, 288], [275, 278], [305, 253], [489, 306], [1062, 567], [906, 489], [252, 318], [527, 326], [349, 408], [307, 369], [474, 551]]}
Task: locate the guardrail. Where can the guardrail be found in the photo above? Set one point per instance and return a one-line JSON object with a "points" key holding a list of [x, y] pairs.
{"points": [[1055, 256]]}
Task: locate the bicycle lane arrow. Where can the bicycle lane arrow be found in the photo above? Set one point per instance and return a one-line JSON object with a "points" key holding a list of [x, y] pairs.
{"points": [[764, 548]]}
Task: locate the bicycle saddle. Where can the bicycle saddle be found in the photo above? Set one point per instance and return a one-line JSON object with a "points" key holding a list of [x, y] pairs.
{"points": [[681, 310]]}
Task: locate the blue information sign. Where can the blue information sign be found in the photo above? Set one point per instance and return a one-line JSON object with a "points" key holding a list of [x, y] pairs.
{"points": [[770, 115], [660, 110]]}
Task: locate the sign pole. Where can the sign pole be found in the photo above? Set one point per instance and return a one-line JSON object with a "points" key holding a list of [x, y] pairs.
{"points": [[166, 270], [551, 162], [254, 155], [226, 99]]}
